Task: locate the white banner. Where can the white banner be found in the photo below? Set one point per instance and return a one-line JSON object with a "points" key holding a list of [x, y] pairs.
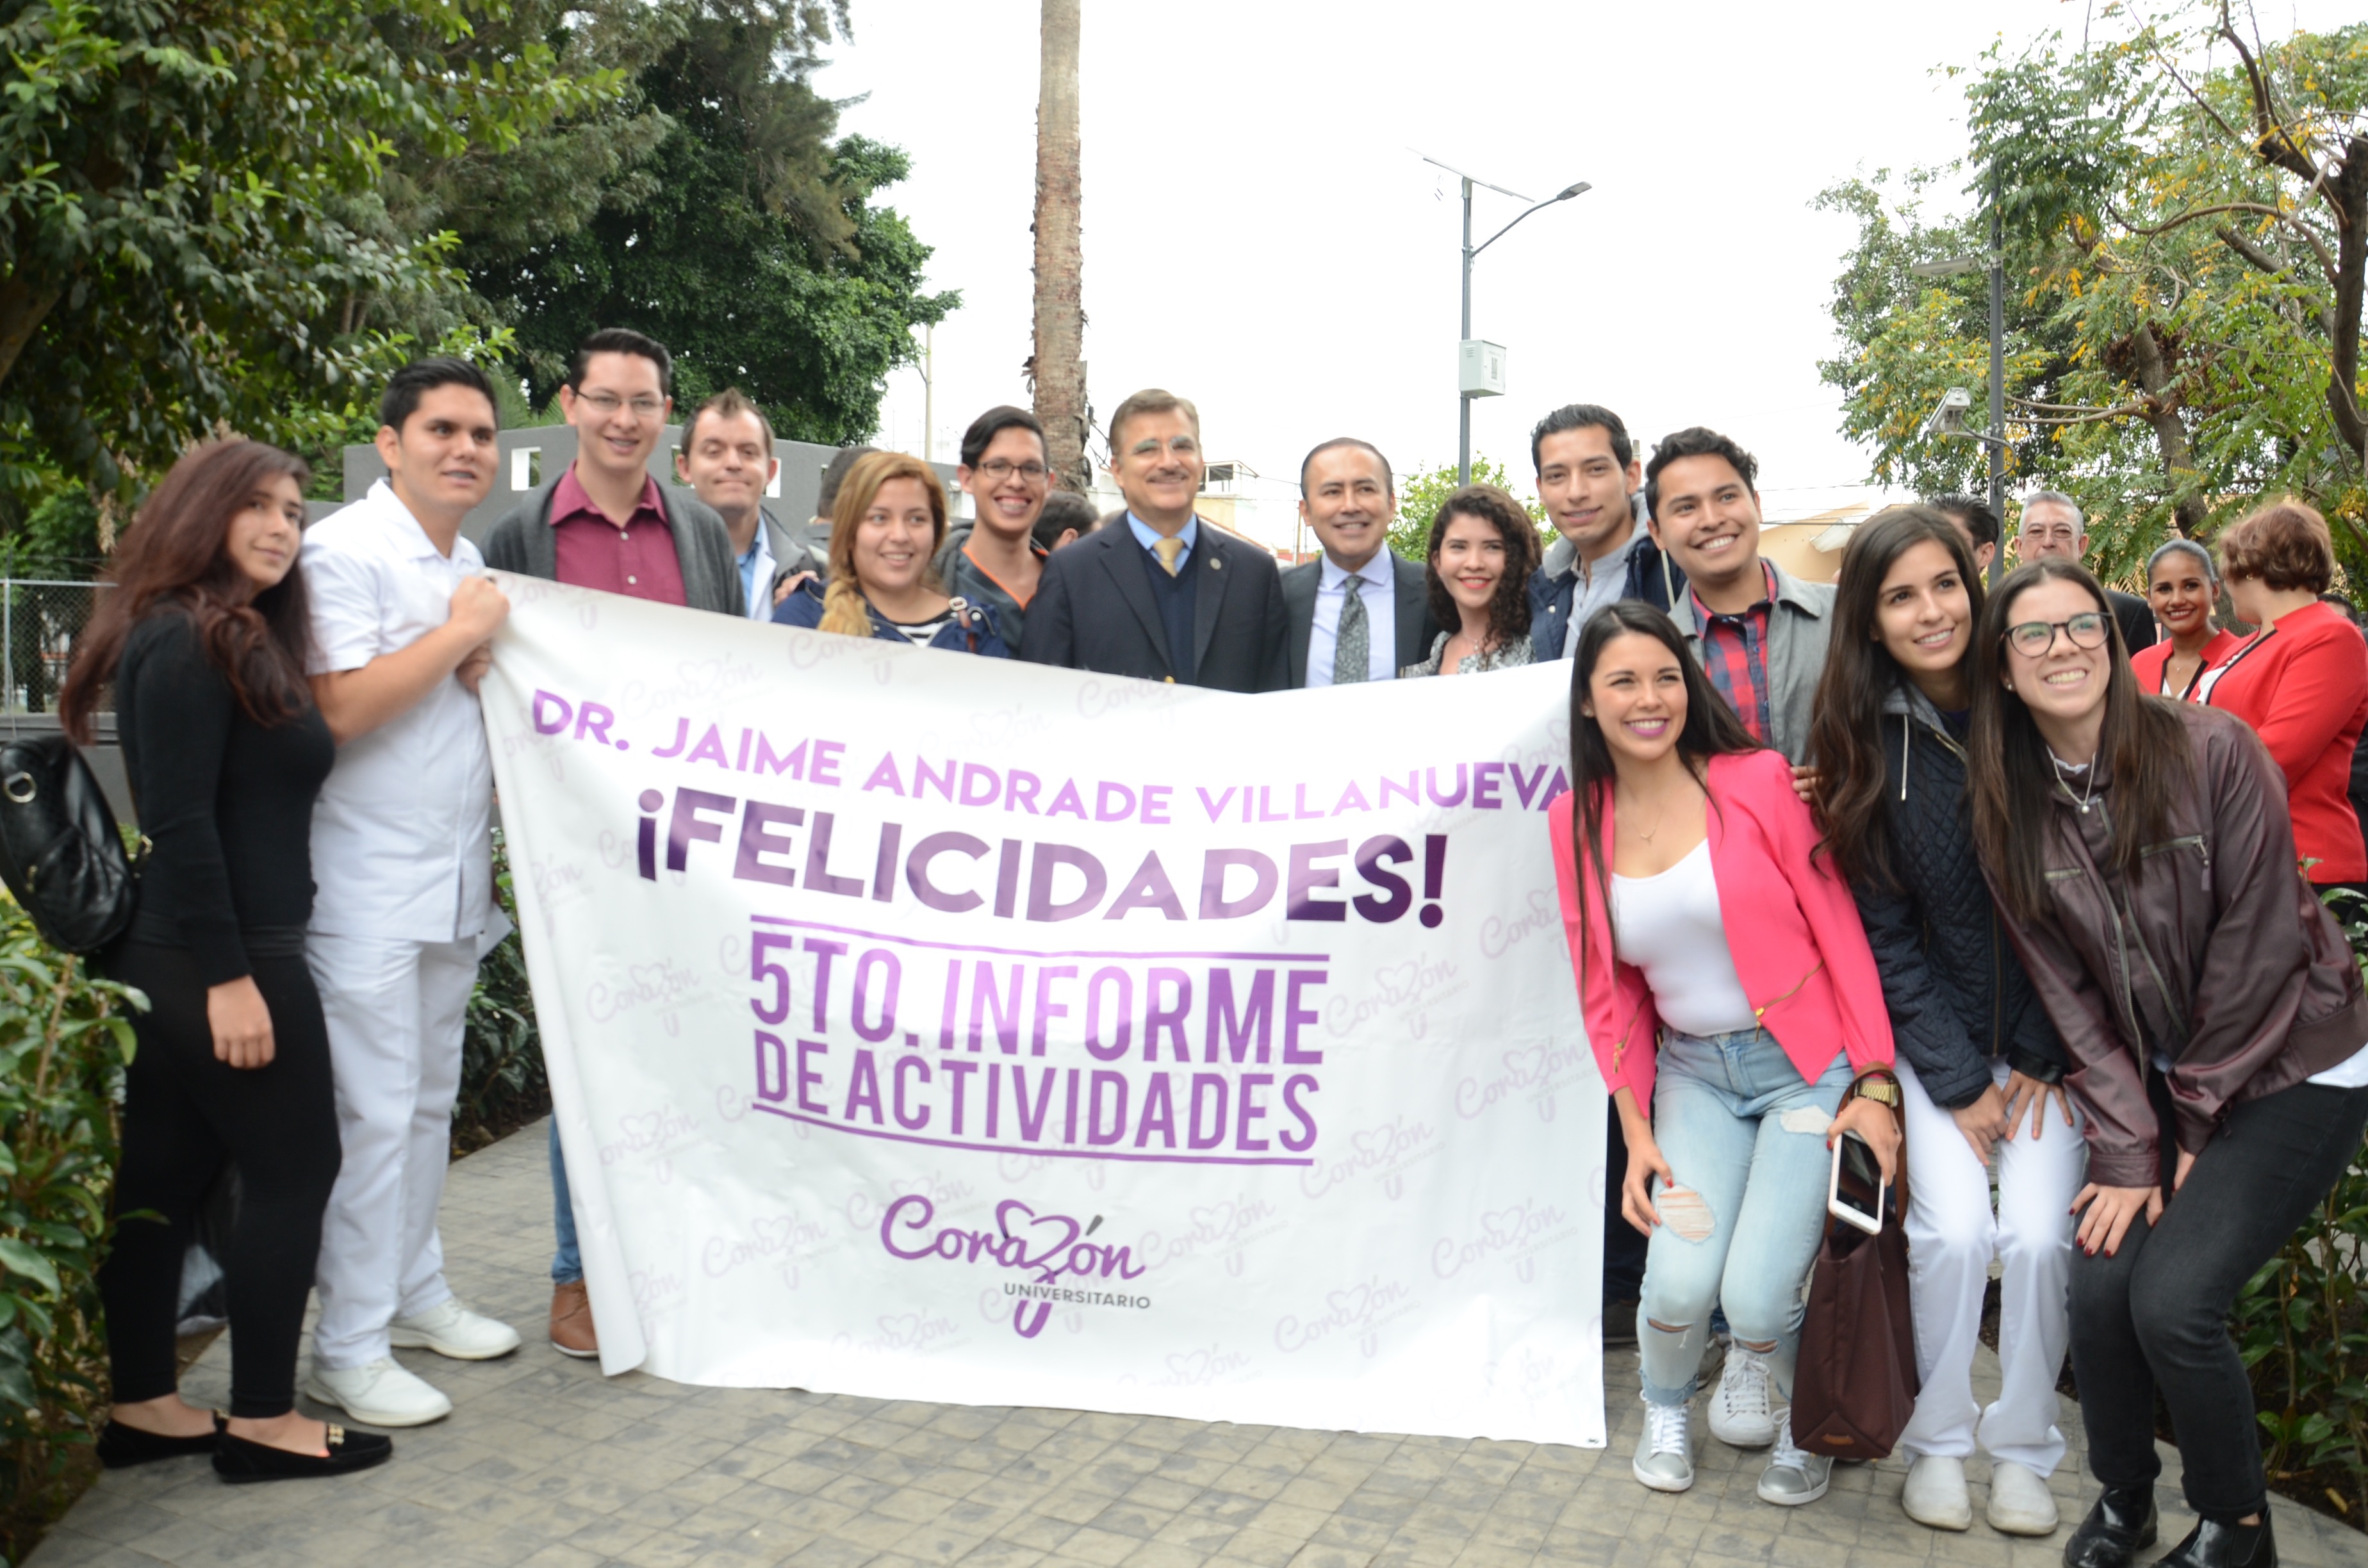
{"points": [[926, 1027]]}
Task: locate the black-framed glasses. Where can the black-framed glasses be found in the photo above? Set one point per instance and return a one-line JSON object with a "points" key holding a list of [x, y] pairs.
{"points": [[998, 470], [2033, 638]]}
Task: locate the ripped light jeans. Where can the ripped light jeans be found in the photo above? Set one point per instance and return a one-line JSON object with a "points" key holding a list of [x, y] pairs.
{"points": [[1739, 1125]]}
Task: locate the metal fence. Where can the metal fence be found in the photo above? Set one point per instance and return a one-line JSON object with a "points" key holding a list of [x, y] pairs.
{"points": [[39, 619]]}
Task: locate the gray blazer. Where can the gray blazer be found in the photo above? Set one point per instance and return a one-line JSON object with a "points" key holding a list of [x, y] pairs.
{"points": [[520, 540], [1412, 611], [1800, 624]]}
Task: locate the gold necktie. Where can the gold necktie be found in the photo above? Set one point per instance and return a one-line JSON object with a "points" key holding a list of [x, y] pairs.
{"points": [[1168, 549]]}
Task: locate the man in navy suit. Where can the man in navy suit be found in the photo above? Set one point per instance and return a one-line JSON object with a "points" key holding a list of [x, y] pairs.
{"points": [[1159, 593], [1358, 612]]}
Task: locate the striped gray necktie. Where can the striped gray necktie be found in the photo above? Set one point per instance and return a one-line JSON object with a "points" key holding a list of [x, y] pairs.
{"points": [[1353, 648]]}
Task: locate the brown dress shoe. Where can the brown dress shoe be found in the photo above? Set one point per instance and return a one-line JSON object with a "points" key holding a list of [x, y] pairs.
{"points": [[571, 1322]]}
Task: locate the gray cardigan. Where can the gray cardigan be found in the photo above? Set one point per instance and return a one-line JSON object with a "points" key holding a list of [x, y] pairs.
{"points": [[1800, 622], [520, 540]]}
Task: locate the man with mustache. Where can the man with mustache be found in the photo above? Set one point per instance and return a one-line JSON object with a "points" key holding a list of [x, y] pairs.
{"points": [[1160, 594]]}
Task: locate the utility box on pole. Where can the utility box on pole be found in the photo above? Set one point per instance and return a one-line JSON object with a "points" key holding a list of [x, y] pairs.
{"points": [[1480, 369]]}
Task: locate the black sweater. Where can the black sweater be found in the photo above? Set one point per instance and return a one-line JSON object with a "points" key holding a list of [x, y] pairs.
{"points": [[1958, 995], [226, 803]]}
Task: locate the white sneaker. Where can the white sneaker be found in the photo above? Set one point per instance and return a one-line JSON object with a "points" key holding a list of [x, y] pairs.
{"points": [[1739, 1412], [1792, 1476], [378, 1394], [2021, 1503], [450, 1329], [1936, 1495], [1664, 1459]]}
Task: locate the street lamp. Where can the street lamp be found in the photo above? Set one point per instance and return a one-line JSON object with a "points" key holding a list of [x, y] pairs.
{"points": [[1481, 366], [1948, 419]]}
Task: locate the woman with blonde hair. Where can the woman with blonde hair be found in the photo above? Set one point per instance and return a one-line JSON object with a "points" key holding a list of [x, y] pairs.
{"points": [[887, 525]]}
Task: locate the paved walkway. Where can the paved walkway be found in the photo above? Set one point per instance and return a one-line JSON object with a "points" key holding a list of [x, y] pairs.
{"points": [[546, 1463]]}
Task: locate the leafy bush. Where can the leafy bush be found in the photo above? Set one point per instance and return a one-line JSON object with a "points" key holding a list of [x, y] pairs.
{"points": [[65, 1037], [502, 1082], [2302, 1323]]}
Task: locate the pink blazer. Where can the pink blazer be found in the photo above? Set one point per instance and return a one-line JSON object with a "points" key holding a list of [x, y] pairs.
{"points": [[1793, 929]]}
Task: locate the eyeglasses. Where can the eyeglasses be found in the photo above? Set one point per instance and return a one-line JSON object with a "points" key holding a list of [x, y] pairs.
{"points": [[998, 470], [2035, 639], [1182, 446], [606, 404]]}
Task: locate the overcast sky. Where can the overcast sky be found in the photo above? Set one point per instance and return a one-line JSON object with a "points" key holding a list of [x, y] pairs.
{"points": [[1259, 238]]}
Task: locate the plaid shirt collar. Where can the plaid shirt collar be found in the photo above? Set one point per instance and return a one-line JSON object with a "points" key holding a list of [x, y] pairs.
{"points": [[1735, 653]]}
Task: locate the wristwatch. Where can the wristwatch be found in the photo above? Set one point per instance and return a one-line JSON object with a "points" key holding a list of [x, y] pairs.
{"points": [[1880, 1087]]}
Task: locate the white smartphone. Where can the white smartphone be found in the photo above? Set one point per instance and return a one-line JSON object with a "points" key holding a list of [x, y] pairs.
{"points": [[1856, 1193]]}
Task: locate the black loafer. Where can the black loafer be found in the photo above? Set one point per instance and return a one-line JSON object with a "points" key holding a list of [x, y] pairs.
{"points": [[2120, 1525], [2211, 1545], [120, 1447], [238, 1460]]}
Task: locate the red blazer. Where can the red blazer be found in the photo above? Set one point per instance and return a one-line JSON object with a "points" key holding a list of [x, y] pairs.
{"points": [[2147, 664], [2303, 685], [1792, 930]]}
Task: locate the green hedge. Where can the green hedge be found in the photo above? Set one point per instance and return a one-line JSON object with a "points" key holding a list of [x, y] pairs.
{"points": [[65, 1041]]}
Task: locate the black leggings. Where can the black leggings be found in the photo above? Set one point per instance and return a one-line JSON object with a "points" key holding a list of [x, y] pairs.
{"points": [[183, 1114], [2156, 1316]]}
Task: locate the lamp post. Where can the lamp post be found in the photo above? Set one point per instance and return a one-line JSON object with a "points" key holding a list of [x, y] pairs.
{"points": [[1941, 423], [1478, 368]]}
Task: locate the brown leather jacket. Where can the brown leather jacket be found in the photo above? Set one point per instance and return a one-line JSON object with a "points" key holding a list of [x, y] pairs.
{"points": [[2216, 954]]}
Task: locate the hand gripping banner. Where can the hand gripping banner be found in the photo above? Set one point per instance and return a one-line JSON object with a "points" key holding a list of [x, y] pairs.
{"points": [[929, 1027]]}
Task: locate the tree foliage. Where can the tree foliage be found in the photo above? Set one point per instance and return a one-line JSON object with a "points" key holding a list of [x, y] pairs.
{"points": [[1422, 491], [2185, 211], [178, 186], [747, 241]]}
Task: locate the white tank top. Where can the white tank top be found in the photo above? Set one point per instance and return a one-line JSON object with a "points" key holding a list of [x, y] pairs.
{"points": [[1668, 926]]}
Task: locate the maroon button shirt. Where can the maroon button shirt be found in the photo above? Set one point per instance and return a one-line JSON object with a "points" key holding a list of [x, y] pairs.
{"points": [[637, 560]]}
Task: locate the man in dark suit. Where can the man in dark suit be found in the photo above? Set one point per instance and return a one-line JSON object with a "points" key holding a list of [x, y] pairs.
{"points": [[1359, 610], [1160, 594]]}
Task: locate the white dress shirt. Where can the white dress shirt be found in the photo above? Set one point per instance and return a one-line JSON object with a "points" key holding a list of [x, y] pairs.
{"points": [[402, 833], [1379, 592]]}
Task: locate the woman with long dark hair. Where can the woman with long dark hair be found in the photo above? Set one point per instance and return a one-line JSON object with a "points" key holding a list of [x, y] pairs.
{"points": [[887, 526], [1978, 1059], [203, 638], [1483, 549], [1679, 828], [2213, 1013], [2182, 589]]}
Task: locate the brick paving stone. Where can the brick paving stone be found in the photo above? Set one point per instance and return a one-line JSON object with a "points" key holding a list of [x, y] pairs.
{"points": [[546, 1464]]}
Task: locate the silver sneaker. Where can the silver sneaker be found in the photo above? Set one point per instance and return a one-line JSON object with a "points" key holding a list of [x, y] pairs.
{"points": [[1741, 1412], [1792, 1477], [1665, 1457]]}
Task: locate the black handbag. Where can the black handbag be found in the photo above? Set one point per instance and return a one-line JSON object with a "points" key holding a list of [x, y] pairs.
{"points": [[61, 852]]}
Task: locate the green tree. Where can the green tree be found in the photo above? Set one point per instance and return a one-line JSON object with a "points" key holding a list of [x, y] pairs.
{"points": [[176, 185], [747, 243], [1423, 491], [2186, 217]]}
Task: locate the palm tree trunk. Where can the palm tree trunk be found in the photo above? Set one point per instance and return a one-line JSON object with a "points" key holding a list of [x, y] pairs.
{"points": [[1058, 367]]}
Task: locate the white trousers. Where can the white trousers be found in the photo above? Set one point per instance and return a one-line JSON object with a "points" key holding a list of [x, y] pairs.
{"points": [[395, 1010], [1951, 1237]]}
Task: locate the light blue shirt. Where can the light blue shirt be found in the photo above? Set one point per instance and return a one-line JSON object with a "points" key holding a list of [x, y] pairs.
{"points": [[1380, 593], [1145, 535], [756, 568]]}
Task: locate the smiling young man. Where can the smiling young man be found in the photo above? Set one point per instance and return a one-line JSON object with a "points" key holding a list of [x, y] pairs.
{"points": [[727, 460], [1357, 612], [606, 523], [1158, 593], [403, 858], [1760, 632], [996, 558], [1588, 478]]}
